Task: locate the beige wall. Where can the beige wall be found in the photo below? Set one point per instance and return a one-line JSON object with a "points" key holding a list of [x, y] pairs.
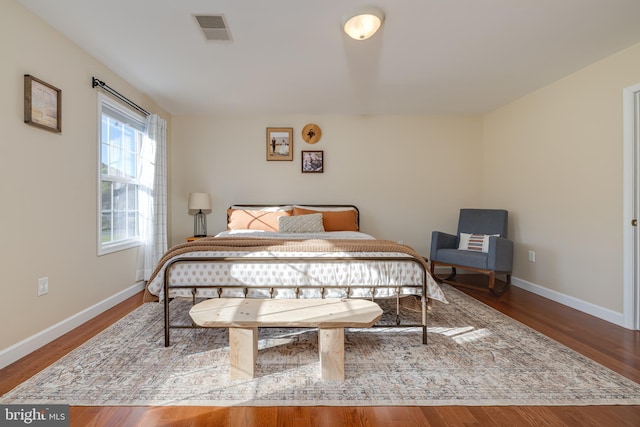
{"points": [[554, 159], [48, 183], [397, 170]]}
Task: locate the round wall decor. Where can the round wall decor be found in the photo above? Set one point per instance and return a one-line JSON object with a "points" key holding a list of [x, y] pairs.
{"points": [[311, 133]]}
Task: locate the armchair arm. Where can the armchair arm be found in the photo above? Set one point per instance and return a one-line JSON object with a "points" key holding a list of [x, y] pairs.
{"points": [[500, 256], [440, 240]]}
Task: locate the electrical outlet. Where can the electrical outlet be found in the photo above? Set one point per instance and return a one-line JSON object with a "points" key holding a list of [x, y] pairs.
{"points": [[532, 256], [43, 286]]}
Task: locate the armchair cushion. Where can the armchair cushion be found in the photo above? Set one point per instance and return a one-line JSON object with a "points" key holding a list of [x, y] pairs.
{"points": [[459, 257]]}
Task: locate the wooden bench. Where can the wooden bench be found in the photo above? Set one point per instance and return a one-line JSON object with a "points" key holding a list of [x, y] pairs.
{"points": [[243, 316]]}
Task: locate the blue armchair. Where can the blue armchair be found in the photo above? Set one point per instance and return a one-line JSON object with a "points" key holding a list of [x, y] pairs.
{"points": [[481, 245]]}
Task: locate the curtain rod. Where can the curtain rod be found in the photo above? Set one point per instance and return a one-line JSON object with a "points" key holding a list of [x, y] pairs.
{"points": [[104, 86]]}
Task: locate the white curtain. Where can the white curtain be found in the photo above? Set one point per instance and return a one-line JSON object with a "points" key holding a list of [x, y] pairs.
{"points": [[152, 199]]}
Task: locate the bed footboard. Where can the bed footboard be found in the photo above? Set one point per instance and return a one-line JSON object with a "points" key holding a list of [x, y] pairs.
{"points": [[322, 289]]}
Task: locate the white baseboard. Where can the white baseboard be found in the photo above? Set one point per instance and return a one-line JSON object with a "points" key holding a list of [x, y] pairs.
{"points": [[578, 304], [34, 342]]}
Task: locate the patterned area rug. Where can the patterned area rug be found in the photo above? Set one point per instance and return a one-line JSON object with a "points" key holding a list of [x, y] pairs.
{"points": [[475, 356]]}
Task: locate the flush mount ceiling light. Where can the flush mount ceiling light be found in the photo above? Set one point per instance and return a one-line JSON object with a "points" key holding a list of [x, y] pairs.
{"points": [[364, 24]]}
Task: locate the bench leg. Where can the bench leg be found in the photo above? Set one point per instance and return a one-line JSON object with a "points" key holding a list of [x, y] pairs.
{"points": [[243, 351], [331, 343]]}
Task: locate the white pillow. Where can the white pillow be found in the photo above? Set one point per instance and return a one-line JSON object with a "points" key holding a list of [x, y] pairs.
{"points": [[311, 223], [475, 242]]}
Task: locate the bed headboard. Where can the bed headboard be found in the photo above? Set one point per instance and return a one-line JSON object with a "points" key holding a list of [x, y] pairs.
{"points": [[305, 205]]}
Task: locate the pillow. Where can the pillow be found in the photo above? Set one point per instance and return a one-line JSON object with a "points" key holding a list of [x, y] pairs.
{"points": [[475, 242], [334, 220], [311, 223], [264, 208], [326, 208], [243, 219]]}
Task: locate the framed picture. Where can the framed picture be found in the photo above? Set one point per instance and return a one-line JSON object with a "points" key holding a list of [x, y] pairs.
{"points": [[279, 143], [312, 161], [42, 104]]}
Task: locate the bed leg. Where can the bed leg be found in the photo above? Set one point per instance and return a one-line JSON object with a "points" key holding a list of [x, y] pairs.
{"points": [[194, 291], [423, 303], [166, 321], [397, 306]]}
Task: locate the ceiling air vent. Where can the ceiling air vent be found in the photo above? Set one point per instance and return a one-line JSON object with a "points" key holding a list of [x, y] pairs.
{"points": [[214, 27]]}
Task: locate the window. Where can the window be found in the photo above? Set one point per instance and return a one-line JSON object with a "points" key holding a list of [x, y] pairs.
{"points": [[121, 138]]}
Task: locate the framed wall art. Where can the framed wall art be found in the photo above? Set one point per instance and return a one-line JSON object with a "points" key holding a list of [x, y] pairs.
{"points": [[312, 161], [42, 104], [279, 143], [311, 133]]}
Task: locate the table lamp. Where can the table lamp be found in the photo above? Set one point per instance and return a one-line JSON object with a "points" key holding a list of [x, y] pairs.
{"points": [[198, 202]]}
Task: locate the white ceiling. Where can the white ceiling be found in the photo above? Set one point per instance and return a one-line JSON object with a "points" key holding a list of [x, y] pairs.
{"points": [[290, 56]]}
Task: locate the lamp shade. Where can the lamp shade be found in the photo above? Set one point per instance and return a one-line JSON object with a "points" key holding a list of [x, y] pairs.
{"points": [[199, 201], [364, 24]]}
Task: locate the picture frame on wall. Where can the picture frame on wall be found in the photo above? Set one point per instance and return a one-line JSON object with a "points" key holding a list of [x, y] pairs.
{"points": [[279, 144], [313, 161], [42, 104]]}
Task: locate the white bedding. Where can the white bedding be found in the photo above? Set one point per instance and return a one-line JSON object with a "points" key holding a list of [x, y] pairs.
{"points": [[327, 235], [380, 277]]}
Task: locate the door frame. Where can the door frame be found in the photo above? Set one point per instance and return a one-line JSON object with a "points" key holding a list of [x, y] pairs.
{"points": [[631, 206]]}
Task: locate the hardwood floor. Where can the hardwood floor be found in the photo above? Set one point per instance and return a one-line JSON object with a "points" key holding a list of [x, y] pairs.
{"points": [[610, 345]]}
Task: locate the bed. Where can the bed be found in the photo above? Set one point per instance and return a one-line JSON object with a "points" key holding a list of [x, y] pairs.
{"points": [[293, 251]]}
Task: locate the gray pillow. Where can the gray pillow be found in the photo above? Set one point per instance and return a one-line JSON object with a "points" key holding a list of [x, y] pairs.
{"points": [[311, 223]]}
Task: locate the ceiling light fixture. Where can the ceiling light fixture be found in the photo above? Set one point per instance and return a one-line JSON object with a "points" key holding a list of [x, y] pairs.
{"points": [[364, 24]]}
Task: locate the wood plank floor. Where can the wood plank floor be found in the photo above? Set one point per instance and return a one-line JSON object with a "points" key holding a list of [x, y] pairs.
{"points": [[610, 345]]}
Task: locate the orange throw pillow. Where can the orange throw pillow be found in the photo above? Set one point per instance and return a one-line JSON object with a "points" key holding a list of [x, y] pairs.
{"points": [[334, 220], [240, 219]]}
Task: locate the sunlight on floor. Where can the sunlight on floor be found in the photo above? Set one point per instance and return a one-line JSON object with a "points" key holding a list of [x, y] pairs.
{"points": [[462, 334], [284, 339]]}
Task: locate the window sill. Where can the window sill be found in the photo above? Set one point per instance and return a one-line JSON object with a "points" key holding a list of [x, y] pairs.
{"points": [[117, 247]]}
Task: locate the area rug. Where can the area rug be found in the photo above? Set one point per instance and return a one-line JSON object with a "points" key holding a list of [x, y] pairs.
{"points": [[475, 356]]}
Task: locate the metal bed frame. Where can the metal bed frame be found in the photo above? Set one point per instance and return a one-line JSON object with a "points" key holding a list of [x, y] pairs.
{"points": [[194, 287]]}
